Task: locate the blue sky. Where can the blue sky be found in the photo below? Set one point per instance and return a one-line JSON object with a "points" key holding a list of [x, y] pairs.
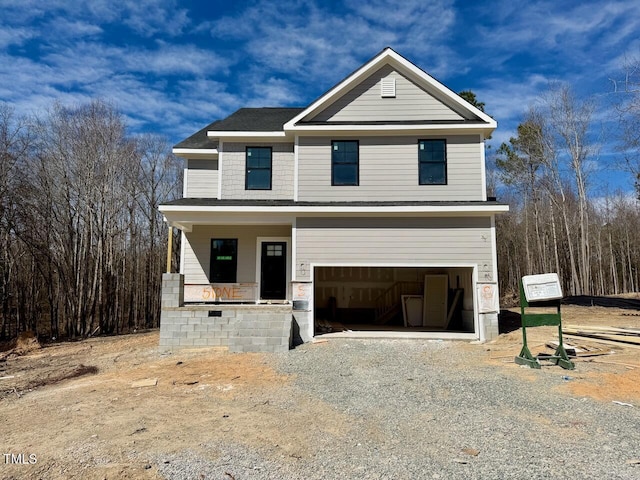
{"points": [[172, 67]]}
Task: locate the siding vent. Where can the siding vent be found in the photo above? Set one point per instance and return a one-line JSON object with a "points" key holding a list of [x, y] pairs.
{"points": [[388, 87]]}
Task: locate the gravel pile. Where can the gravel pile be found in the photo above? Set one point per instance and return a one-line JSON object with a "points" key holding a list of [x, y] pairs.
{"points": [[430, 409]]}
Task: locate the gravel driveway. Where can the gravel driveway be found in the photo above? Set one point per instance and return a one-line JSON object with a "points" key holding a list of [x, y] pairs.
{"points": [[430, 409]]}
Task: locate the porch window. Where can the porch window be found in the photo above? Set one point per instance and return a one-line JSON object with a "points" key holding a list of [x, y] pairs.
{"points": [[344, 162], [224, 260], [258, 168], [432, 159]]}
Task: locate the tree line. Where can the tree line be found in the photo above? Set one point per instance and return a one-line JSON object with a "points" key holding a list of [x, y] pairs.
{"points": [[546, 173], [82, 244]]}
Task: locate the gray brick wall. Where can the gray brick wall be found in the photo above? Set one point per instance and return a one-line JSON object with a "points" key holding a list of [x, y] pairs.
{"points": [[240, 328], [172, 290]]}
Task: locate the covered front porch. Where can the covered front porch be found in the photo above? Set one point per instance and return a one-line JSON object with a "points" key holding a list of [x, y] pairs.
{"points": [[237, 263], [233, 289]]}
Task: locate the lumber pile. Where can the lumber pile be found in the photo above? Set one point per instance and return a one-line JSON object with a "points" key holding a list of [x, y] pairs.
{"points": [[581, 350], [622, 336]]}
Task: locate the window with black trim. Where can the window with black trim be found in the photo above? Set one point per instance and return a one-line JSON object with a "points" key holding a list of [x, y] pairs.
{"points": [[432, 160], [258, 175], [224, 260], [344, 162]]}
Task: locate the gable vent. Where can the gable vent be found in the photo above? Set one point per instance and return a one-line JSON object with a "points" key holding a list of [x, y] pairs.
{"points": [[388, 87]]}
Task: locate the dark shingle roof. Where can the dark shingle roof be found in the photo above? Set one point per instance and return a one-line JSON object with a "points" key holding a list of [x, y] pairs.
{"points": [[265, 119], [200, 139]]}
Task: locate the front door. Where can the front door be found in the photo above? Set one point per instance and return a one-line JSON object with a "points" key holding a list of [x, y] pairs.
{"points": [[273, 271]]}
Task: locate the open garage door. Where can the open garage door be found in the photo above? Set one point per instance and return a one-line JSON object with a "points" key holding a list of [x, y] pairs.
{"points": [[403, 299]]}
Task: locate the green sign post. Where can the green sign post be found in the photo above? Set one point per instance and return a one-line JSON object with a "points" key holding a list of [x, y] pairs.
{"points": [[560, 356]]}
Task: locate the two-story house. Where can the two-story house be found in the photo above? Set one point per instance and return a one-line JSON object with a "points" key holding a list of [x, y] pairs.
{"points": [[365, 211]]}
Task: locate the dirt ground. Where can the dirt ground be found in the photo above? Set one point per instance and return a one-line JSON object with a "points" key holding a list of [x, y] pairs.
{"points": [[113, 403], [617, 375]]}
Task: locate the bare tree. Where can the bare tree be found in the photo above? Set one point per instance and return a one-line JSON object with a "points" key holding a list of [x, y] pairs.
{"points": [[14, 144], [548, 164], [570, 120], [519, 164], [157, 177], [627, 91], [86, 223]]}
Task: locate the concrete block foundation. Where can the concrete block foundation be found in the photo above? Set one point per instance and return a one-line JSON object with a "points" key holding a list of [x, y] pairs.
{"points": [[489, 324], [240, 328]]}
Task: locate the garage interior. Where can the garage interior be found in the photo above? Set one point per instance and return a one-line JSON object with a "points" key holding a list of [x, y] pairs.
{"points": [[402, 299]]}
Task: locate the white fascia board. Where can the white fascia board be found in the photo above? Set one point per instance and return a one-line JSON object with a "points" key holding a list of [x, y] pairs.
{"points": [[182, 226], [196, 153], [329, 209], [400, 129], [397, 60]]}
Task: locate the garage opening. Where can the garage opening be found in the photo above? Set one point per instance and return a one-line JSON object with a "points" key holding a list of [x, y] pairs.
{"points": [[412, 299]]}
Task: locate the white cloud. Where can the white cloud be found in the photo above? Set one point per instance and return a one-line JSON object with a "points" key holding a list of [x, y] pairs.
{"points": [[310, 41], [145, 17], [148, 17], [508, 101], [84, 63], [274, 92], [200, 101], [136, 81], [14, 36], [409, 14], [584, 34], [62, 28], [174, 59]]}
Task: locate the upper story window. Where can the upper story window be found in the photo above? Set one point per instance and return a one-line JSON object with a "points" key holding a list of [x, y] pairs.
{"points": [[432, 159], [344, 162], [258, 175]]}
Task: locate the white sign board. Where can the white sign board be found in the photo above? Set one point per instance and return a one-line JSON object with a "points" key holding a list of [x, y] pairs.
{"points": [[541, 287], [221, 292], [488, 301]]}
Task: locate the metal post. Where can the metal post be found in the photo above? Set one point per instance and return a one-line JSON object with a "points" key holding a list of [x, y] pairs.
{"points": [[169, 248]]}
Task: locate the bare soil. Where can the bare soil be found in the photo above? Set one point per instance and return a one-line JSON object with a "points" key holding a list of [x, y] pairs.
{"points": [[617, 376], [81, 410]]}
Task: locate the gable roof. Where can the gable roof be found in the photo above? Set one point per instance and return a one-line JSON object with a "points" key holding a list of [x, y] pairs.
{"points": [[279, 121], [411, 71]]}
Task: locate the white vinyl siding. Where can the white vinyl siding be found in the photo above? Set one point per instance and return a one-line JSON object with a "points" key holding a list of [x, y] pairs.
{"points": [[201, 179], [197, 249], [234, 171], [446, 242], [365, 102], [389, 170]]}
